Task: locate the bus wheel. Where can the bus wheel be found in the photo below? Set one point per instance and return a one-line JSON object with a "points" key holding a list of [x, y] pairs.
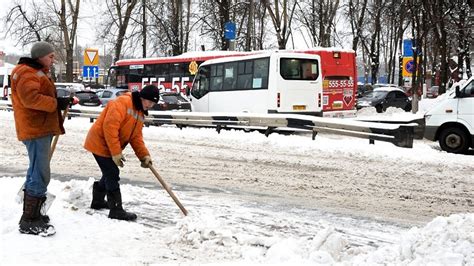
{"points": [[453, 139]]}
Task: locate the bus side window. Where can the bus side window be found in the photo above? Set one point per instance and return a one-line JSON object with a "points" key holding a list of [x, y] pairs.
{"points": [[216, 83], [244, 79], [162, 70], [260, 74], [216, 77], [230, 76]]}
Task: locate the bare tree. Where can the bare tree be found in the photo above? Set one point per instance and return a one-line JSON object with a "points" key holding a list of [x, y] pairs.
{"points": [[28, 24], [214, 16], [281, 19], [116, 22], [356, 13], [39, 25], [170, 28], [67, 15], [376, 12]]}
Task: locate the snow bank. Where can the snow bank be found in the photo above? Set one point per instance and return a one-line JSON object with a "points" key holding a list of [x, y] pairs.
{"points": [[208, 235]]}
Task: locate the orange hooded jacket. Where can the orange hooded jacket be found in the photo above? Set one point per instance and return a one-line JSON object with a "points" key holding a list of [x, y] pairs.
{"points": [[119, 123], [34, 102]]}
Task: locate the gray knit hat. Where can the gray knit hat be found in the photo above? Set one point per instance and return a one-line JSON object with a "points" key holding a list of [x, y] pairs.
{"points": [[41, 49]]}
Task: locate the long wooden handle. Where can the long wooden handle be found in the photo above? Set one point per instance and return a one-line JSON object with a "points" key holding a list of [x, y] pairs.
{"points": [[168, 189], [56, 137]]}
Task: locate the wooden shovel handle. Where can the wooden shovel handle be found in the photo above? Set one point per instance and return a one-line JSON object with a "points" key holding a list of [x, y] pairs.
{"points": [[168, 189]]}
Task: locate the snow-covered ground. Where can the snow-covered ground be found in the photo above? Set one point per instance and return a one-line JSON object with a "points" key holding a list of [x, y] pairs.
{"points": [[284, 200]]}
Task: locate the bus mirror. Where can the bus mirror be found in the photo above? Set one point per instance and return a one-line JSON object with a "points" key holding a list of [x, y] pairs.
{"points": [[188, 91]]}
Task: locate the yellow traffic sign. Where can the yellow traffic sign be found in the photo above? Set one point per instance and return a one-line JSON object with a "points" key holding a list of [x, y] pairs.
{"points": [[409, 66], [91, 57]]}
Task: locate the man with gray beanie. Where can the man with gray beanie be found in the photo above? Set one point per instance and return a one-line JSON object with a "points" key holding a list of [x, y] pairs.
{"points": [[37, 112]]}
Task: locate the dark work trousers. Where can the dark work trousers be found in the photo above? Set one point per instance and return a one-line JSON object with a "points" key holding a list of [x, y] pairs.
{"points": [[110, 173]]}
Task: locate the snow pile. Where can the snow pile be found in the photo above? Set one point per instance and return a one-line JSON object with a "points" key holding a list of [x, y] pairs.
{"points": [[443, 241], [210, 234]]}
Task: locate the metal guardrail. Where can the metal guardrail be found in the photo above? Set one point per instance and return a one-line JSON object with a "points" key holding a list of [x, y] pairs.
{"points": [[400, 134]]}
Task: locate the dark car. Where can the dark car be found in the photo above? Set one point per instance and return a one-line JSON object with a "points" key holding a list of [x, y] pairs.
{"points": [[172, 102], [87, 98], [382, 98]]}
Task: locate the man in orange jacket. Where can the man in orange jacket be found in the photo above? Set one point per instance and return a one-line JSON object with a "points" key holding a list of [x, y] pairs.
{"points": [[120, 123], [37, 118]]}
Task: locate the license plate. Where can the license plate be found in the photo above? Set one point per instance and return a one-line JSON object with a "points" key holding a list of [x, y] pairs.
{"points": [[299, 107]]}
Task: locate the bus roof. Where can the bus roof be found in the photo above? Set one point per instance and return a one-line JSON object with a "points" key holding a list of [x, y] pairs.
{"points": [[207, 55], [186, 57], [261, 54]]}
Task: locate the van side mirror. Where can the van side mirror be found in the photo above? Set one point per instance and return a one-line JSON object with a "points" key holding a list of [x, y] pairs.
{"points": [[458, 91]]}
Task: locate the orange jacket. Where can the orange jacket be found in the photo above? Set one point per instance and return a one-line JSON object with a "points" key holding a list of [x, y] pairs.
{"points": [[119, 123], [34, 102]]}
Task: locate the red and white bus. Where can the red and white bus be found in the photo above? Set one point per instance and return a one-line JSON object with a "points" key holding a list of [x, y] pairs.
{"points": [[176, 73], [170, 74]]}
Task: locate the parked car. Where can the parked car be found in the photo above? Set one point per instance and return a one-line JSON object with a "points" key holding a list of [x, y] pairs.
{"points": [[109, 94], [384, 97], [432, 92], [172, 102], [87, 98]]}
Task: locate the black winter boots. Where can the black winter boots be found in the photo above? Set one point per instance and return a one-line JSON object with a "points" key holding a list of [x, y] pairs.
{"points": [[98, 197], [114, 199], [32, 222]]}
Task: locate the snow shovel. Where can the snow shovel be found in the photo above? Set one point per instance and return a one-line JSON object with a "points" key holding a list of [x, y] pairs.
{"points": [[49, 196], [168, 189], [56, 137]]}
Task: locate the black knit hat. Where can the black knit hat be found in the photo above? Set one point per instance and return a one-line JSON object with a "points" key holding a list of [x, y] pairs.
{"points": [[150, 92], [40, 49]]}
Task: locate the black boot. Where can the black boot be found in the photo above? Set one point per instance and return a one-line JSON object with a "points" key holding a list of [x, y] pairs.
{"points": [[32, 222], [114, 199], [44, 217], [98, 197]]}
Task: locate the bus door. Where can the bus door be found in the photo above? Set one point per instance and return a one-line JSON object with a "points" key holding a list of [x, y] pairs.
{"points": [[298, 85], [200, 91]]}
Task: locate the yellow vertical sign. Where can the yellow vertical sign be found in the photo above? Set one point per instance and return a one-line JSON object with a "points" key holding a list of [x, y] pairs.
{"points": [[91, 57], [409, 66]]}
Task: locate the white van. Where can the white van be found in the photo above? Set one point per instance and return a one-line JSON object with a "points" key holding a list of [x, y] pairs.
{"points": [[5, 72], [451, 120]]}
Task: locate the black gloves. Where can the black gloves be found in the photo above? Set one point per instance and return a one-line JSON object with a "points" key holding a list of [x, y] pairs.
{"points": [[63, 102]]}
